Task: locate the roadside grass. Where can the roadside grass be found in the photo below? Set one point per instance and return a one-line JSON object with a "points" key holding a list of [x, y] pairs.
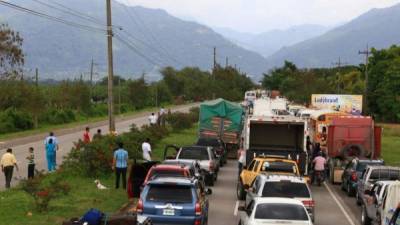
{"points": [[15, 204], [82, 121], [391, 144]]}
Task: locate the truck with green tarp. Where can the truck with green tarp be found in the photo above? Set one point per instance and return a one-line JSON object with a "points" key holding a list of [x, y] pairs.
{"points": [[222, 119]]}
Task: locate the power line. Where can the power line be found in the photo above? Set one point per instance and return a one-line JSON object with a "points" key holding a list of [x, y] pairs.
{"points": [[53, 18]]}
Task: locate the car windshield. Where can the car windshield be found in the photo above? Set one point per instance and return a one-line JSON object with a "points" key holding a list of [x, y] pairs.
{"points": [[362, 165], [208, 142], [170, 194], [285, 189], [166, 173], [194, 153], [385, 174], [277, 211], [279, 166]]}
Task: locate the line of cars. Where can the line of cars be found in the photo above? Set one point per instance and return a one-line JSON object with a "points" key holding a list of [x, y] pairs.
{"points": [[175, 190], [376, 188], [274, 192]]}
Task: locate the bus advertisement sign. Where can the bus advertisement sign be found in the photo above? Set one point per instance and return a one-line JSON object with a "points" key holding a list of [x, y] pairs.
{"points": [[351, 104]]}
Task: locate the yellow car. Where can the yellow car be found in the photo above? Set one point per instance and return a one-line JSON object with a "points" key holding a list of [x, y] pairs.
{"points": [[264, 165]]}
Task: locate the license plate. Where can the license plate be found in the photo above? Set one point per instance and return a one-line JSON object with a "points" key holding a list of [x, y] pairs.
{"points": [[168, 212]]}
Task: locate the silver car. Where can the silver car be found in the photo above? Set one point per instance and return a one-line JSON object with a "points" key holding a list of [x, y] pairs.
{"points": [[206, 158]]}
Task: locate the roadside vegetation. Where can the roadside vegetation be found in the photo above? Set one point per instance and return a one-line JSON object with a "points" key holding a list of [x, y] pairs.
{"points": [[391, 144], [71, 190]]}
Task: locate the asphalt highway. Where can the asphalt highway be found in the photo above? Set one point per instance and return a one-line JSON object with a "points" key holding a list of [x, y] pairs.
{"points": [[333, 207]]}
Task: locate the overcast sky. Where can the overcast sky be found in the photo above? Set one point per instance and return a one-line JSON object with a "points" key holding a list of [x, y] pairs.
{"points": [[262, 15]]}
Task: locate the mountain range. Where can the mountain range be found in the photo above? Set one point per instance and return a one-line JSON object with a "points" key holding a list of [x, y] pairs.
{"points": [[144, 40]]}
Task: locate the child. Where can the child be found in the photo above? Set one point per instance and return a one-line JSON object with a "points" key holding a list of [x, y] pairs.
{"points": [[31, 163]]}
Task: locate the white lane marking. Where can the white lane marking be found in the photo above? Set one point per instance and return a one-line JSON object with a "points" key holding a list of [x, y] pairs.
{"points": [[339, 204], [235, 211]]}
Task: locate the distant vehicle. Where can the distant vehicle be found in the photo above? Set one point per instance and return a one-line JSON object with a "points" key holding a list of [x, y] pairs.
{"points": [[169, 200], [250, 96], [373, 174], [266, 165], [222, 120], [274, 211], [218, 145], [382, 204], [206, 158], [353, 171], [372, 207], [282, 186]]}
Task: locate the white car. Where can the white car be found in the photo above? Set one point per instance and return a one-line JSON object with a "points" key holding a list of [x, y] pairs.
{"points": [[274, 211]]}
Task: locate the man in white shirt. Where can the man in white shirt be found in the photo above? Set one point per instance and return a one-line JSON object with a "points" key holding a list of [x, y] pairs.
{"points": [[146, 149], [153, 119]]}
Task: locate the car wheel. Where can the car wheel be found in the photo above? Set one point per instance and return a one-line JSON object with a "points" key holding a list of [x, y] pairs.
{"points": [[365, 220], [358, 200], [240, 191], [349, 190]]}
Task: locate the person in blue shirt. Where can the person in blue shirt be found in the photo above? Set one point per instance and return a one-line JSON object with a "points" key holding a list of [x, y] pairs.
{"points": [[50, 155], [120, 165]]}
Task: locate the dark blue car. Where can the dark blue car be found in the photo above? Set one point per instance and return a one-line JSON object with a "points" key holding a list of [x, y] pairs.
{"points": [[173, 200], [353, 172]]}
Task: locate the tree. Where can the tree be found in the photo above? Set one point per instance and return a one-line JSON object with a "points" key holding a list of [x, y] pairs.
{"points": [[137, 93], [11, 55]]}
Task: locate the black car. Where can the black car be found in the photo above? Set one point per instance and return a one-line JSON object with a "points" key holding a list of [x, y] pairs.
{"points": [[219, 146], [353, 172]]}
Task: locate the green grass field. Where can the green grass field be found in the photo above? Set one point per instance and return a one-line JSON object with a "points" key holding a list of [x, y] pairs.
{"points": [[391, 144]]}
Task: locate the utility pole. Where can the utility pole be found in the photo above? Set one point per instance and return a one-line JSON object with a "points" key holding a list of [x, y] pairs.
{"points": [[91, 72], [215, 58], [339, 65], [366, 52], [111, 120], [119, 95], [37, 77], [226, 62]]}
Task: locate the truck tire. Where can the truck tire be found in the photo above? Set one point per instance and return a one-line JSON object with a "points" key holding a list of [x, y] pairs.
{"points": [[345, 152], [241, 194], [365, 220]]}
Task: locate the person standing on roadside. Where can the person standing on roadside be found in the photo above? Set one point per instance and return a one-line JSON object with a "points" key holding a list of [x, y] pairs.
{"points": [[31, 163], [153, 119], [7, 162], [162, 116], [50, 155], [120, 165], [55, 142], [146, 150], [86, 135], [97, 135]]}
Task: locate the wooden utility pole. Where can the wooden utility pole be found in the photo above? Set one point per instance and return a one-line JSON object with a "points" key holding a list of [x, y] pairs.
{"points": [[215, 58], [119, 95], [111, 119], [226, 62], [366, 52], [339, 65], [37, 77], [91, 72]]}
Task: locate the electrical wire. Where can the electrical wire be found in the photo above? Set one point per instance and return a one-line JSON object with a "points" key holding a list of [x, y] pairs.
{"points": [[53, 18]]}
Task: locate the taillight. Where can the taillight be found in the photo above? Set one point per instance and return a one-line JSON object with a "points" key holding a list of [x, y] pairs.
{"points": [[211, 166], [198, 209], [139, 207], [308, 203], [354, 176]]}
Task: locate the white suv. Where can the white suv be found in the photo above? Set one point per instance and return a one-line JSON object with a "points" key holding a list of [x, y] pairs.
{"points": [[282, 186]]}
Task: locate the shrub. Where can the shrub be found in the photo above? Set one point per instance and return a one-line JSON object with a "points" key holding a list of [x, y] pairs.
{"points": [[59, 116], [179, 121], [14, 120]]}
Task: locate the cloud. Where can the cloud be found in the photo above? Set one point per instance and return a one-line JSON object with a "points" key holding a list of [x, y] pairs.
{"points": [[262, 15]]}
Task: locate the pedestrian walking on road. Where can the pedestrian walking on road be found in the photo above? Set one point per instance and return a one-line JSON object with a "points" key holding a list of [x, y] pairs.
{"points": [[98, 135], [8, 162], [86, 136], [55, 142], [146, 149], [31, 163], [50, 155], [153, 119], [120, 165]]}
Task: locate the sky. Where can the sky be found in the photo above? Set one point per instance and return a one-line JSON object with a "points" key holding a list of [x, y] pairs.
{"points": [[257, 16]]}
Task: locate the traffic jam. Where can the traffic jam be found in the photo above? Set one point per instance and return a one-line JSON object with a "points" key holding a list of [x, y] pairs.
{"points": [[283, 151]]}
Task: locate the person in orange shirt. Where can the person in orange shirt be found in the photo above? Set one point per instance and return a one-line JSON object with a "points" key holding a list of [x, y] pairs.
{"points": [[86, 135]]}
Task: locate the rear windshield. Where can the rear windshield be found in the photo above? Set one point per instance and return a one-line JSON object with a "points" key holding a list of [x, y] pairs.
{"points": [[280, 212], [285, 189], [279, 166], [385, 174], [362, 165], [170, 194], [166, 173], [194, 153], [209, 142]]}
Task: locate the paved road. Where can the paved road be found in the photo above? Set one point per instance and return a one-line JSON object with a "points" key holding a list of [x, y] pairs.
{"points": [[328, 210], [66, 143]]}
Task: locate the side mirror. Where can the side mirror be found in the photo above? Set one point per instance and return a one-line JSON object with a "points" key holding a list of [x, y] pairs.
{"points": [[246, 186], [241, 208], [208, 191]]}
